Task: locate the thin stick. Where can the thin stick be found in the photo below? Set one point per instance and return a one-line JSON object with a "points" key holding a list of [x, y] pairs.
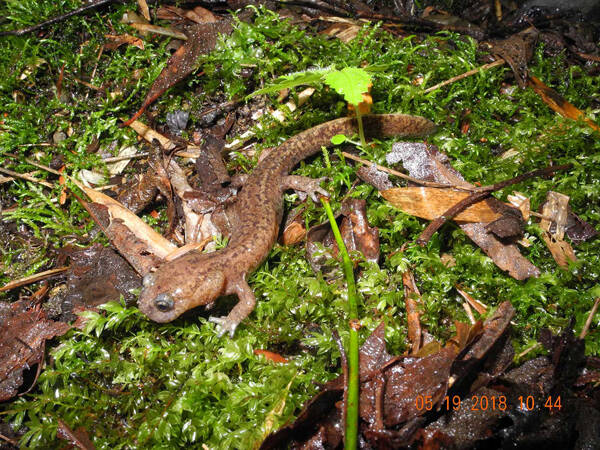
{"points": [[113, 159], [498, 62], [24, 176], [54, 20], [9, 440], [32, 278], [527, 350], [588, 322], [406, 177], [475, 197]]}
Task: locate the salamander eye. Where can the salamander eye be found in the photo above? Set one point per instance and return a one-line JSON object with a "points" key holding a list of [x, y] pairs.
{"points": [[164, 302]]}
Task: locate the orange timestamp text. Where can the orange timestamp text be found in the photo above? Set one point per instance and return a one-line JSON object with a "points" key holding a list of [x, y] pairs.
{"points": [[486, 402]]}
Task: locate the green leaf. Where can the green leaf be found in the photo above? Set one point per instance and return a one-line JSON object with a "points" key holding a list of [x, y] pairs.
{"points": [[338, 139], [351, 82], [311, 76]]}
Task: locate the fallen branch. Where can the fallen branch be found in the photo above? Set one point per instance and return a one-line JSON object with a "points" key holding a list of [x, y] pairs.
{"points": [[475, 197], [54, 20], [24, 176]]}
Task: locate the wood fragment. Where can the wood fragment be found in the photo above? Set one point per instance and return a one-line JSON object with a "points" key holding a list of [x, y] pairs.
{"points": [[25, 176], [588, 321], [32, 278]]}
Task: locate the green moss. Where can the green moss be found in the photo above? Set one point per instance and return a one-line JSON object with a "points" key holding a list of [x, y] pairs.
{"points": [[133, 383]]}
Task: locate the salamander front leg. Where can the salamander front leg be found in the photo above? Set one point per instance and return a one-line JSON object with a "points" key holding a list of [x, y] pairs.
{"points": [[244, 307], [306, 185]]}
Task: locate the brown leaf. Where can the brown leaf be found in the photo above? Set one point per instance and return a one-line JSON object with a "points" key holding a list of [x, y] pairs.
{"points": [[96, 275], [117, 40], [23, 333], [412, 297], [428, 164], [429, 203], [558, 104], [201, 39], [555, 212], [356, 233], [275, 357], [78, 438]]}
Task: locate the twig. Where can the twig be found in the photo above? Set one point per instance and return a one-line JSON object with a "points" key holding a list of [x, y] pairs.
{"points": [[475, 197], [24, 176], [527, 350], [54, 20], [32, 278], [498, 62], [113, 159], [588, 322], [407, 177], [9, 440]]}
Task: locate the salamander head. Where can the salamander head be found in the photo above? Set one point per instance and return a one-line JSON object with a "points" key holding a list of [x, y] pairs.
{"points": [[168, 293]]}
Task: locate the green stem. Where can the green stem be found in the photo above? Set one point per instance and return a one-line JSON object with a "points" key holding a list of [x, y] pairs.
{"points": [[351, 434], [361, 131]]}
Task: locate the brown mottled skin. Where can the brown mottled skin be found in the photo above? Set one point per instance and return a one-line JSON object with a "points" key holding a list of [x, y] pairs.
{"points": [[196, 278]]}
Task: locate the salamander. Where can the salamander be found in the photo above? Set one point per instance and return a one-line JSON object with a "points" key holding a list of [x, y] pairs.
{"points": [[196, 278]]}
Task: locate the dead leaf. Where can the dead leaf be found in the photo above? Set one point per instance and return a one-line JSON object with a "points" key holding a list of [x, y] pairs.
{"points": [[148, 28], [23, 333], [144, 9], [275, 357], [558, 104], [201, 39], [117, 40], [412, 299], [429, 203], [356, 233], [78, 438], [345, 32], [555, 212], [426, 163], [517, 50]]}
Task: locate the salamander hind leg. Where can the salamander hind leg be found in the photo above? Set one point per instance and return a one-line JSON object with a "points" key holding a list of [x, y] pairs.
{"points": [[245, 305], [306, 185]]}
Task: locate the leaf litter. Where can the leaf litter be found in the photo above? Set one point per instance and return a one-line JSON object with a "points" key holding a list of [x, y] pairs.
{"points": [[464, 395]]}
